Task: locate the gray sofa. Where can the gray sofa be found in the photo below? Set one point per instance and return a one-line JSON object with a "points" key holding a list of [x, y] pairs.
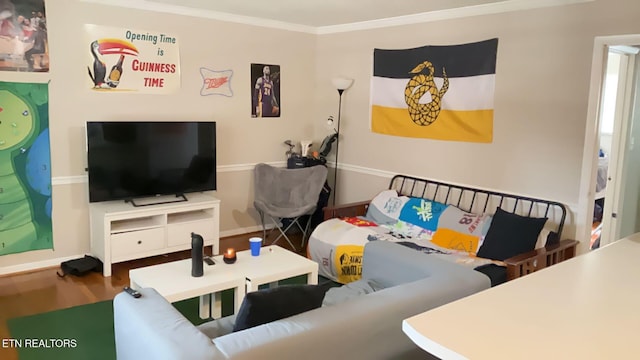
{"points": [[354, 326]]}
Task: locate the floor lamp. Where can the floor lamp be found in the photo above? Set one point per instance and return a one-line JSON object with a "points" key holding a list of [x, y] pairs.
{"points": [[341, 84]]}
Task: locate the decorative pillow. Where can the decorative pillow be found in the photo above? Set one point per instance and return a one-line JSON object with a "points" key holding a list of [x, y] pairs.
{"points": [[385, 207], [422, 212], [510, 235], [461, 230], [267, 305]]}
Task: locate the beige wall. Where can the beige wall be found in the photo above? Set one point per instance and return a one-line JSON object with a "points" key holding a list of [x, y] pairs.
{"points": [[542, 85], [541, 95], [203, 43]]}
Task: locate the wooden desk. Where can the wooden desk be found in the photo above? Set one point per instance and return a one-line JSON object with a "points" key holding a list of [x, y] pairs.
{"points": [[587, 307]]}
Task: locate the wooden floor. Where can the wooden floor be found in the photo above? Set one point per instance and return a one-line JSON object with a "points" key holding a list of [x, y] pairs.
{"points": [[42, 290]]}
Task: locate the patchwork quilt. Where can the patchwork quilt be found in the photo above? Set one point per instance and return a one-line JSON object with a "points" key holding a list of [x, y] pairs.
{"points": [[431, 227]]}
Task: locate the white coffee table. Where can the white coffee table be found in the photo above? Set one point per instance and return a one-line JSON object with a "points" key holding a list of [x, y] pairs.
{"points": [[173, 280], [273, 264]]}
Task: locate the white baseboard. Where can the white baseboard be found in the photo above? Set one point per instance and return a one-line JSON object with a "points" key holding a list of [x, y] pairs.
{"points": [[245, 230], [240, 231], [36, 265]]}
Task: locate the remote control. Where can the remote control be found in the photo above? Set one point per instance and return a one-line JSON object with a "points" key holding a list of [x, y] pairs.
{"points": [[209, 261], [132, 292]]}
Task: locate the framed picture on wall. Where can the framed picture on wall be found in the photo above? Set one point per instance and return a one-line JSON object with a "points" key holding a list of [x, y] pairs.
{"points": [[24, 44], [265, 84]]}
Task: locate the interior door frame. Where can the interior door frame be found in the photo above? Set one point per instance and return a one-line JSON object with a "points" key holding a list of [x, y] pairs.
{"points": [[621, 126], [586, 198]]}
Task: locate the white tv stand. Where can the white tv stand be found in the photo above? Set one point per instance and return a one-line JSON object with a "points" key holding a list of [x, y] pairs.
{"points": [[120, 232]]}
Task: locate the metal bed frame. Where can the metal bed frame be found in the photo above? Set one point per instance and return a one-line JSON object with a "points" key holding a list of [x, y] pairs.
{"points": [[485, 201]]}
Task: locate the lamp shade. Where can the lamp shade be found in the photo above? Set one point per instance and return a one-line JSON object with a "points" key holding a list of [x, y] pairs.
{"points": [[341, 83]]}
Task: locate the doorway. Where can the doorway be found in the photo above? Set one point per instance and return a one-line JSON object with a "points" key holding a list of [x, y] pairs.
{"points": [[610, 185]]}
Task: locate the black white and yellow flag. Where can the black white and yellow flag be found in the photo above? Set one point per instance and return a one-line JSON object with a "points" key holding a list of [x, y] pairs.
{"points": [[436, 92]]}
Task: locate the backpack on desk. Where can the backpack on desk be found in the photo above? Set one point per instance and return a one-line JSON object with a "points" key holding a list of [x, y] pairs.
{"points": [[80, 267]]}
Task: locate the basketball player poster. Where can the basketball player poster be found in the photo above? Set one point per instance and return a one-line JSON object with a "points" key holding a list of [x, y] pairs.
{"points": [[265, 84]]}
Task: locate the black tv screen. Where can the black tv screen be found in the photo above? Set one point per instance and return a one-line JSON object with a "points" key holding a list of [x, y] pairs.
{"points": [[128, 160]]}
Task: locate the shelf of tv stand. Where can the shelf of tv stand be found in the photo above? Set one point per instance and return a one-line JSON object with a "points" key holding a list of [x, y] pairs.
{"points": [[122, 232], [134, 224], [188, 216]]}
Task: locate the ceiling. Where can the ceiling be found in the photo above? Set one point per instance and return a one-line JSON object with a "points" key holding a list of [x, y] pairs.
{"points": [[329, 16], [319, 13]]}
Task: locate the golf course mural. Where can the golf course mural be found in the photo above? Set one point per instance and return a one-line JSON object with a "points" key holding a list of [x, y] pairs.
{"points": [[25, 168]]}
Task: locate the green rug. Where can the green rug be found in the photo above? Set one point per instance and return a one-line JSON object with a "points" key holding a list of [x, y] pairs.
{"points": [[88, 327]]}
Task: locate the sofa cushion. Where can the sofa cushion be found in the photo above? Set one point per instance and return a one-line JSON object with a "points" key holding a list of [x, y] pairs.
{"points": [[218, 327], [267, 305], [509, 235]]}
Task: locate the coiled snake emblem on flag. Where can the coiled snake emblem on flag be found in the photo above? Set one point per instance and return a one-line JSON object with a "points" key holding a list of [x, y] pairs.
{"points": [[420, 84]]}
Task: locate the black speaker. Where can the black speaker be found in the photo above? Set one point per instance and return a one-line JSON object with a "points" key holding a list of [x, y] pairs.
{"points": [[197, 254]]}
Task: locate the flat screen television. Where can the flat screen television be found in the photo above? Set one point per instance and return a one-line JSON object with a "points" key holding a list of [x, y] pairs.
{"points": [[135, 159]]}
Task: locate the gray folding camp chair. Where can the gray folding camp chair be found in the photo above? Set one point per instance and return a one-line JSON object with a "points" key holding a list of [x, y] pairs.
{"points": [[287, 194]]}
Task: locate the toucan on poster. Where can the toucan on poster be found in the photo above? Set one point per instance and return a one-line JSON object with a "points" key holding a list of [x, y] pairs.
{"points": [[132, 60], [25, 168], [24, 44]]}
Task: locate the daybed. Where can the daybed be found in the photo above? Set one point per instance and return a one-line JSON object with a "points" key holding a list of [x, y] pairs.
{"points": [[353, 323], [501, 235]]}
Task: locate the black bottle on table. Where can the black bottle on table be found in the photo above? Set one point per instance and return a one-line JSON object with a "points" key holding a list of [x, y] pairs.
{"points": [[197, 254]]}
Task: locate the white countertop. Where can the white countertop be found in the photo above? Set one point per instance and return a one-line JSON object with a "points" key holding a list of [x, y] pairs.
{"points": [[587, 307]]}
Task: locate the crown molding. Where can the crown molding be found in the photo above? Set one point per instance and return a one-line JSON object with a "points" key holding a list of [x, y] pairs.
{"points": [[439, 15]]}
